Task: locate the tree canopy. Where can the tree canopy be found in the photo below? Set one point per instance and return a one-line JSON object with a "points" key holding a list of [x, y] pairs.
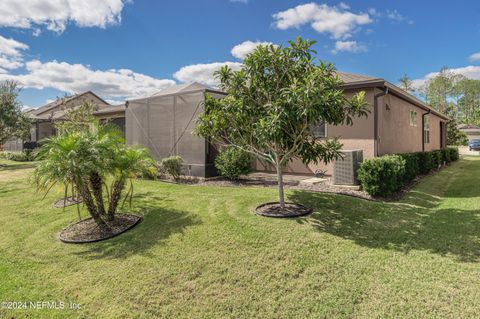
{"points": [[273, 104], [13, 122], [454, 95]]}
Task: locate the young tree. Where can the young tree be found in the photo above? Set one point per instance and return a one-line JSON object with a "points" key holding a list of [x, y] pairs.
{"points": [[273, 103], [83, 161], [455, 136], [406, 84], [77, 119], [13, 122]]}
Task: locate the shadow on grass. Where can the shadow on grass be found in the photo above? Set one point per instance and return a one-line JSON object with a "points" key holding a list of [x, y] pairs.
{"points": [[159, 223], [400, 227]]}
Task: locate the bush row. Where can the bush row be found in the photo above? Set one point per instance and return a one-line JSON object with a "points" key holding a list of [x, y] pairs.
{"points": [[383, 176], [25, 156]]}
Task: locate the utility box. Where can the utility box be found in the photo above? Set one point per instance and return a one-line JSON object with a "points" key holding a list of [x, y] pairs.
{"points": [[345, 169]]}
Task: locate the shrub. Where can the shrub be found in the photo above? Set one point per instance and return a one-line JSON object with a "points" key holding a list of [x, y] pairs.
{"points": [[454, 155], [411, 166], [382, 176], [424, 162], [436, 159], [446, 155], [233, 162], [25, 156], [172, 166]]}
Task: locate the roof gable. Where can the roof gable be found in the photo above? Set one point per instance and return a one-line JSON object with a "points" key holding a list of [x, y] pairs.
{"points": [[56, 104]]}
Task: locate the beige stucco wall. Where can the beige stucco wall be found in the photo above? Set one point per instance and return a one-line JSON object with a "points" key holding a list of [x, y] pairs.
{"points": [[357, 136], [396, 135], [394, 132]]}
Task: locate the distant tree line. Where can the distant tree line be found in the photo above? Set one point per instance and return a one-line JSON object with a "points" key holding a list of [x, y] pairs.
{"points": [[452, 94]]}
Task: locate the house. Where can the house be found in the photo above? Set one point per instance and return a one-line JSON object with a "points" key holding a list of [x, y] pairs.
{"points": [[398, 123], [44, 117], [472, 131]]}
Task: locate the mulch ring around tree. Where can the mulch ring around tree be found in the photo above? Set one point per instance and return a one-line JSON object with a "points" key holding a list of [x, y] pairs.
{"points": [[87, 230], [291, 210], [65, 202]]}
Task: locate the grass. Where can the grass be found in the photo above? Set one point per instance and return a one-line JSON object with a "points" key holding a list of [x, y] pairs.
{"points": [[202, 253]]}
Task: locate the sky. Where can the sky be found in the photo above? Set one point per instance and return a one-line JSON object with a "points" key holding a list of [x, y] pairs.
{"points": [[124, 49]]}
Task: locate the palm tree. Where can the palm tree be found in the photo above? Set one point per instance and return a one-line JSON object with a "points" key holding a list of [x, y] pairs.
{"points": [[84, 160], [129, 163]]}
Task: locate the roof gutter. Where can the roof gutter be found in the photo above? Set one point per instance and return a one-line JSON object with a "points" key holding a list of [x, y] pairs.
{"points": [[375, 118]]}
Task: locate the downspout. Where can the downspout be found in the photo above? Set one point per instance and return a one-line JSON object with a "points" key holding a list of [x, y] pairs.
{"points": [[423, 129], [375, 119]]}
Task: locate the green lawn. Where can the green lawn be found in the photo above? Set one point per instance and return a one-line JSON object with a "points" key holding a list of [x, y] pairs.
{"points": [[202, 253]]}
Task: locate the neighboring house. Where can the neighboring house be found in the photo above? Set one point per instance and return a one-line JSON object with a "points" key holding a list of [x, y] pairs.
{"points": [[472, 131], [398, 123], [43, 118]]}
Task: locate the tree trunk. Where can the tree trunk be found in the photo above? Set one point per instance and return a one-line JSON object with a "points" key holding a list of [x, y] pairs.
{"points": [[90, 204], [118, 187], [96, 183], [280, 182]]}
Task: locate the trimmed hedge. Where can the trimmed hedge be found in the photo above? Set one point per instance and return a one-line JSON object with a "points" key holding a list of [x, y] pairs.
{"points": [[383, 176], [412, 168]]}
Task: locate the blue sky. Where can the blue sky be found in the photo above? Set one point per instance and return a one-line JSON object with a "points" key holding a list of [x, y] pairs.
{"points": [[125, 49]]}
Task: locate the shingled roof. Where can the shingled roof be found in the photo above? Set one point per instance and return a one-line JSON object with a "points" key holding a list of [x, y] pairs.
{"points": [[349, 78], [43, 109]]}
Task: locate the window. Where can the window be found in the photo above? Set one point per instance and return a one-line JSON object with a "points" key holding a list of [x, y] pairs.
{"points": [[426, 130], [319, 129], [413, 118]]}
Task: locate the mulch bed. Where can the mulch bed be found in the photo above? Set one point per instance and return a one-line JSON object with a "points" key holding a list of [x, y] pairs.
{"points": [[65, 202], [87, 230], [291, 210], [323, 187]]}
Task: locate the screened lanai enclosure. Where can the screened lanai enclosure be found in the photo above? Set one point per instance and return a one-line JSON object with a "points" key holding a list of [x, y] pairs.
{"points": [[164, 123]]}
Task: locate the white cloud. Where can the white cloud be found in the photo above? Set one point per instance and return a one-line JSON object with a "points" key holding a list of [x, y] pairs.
{"points": [[11, 47], [393, 15], [470, 71], [203, 73], [333, 20], [56, 14], [474, 57], [349, 46], [10, 63], [76, 78], [11, 52], [240, 1], [241, 50]]}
